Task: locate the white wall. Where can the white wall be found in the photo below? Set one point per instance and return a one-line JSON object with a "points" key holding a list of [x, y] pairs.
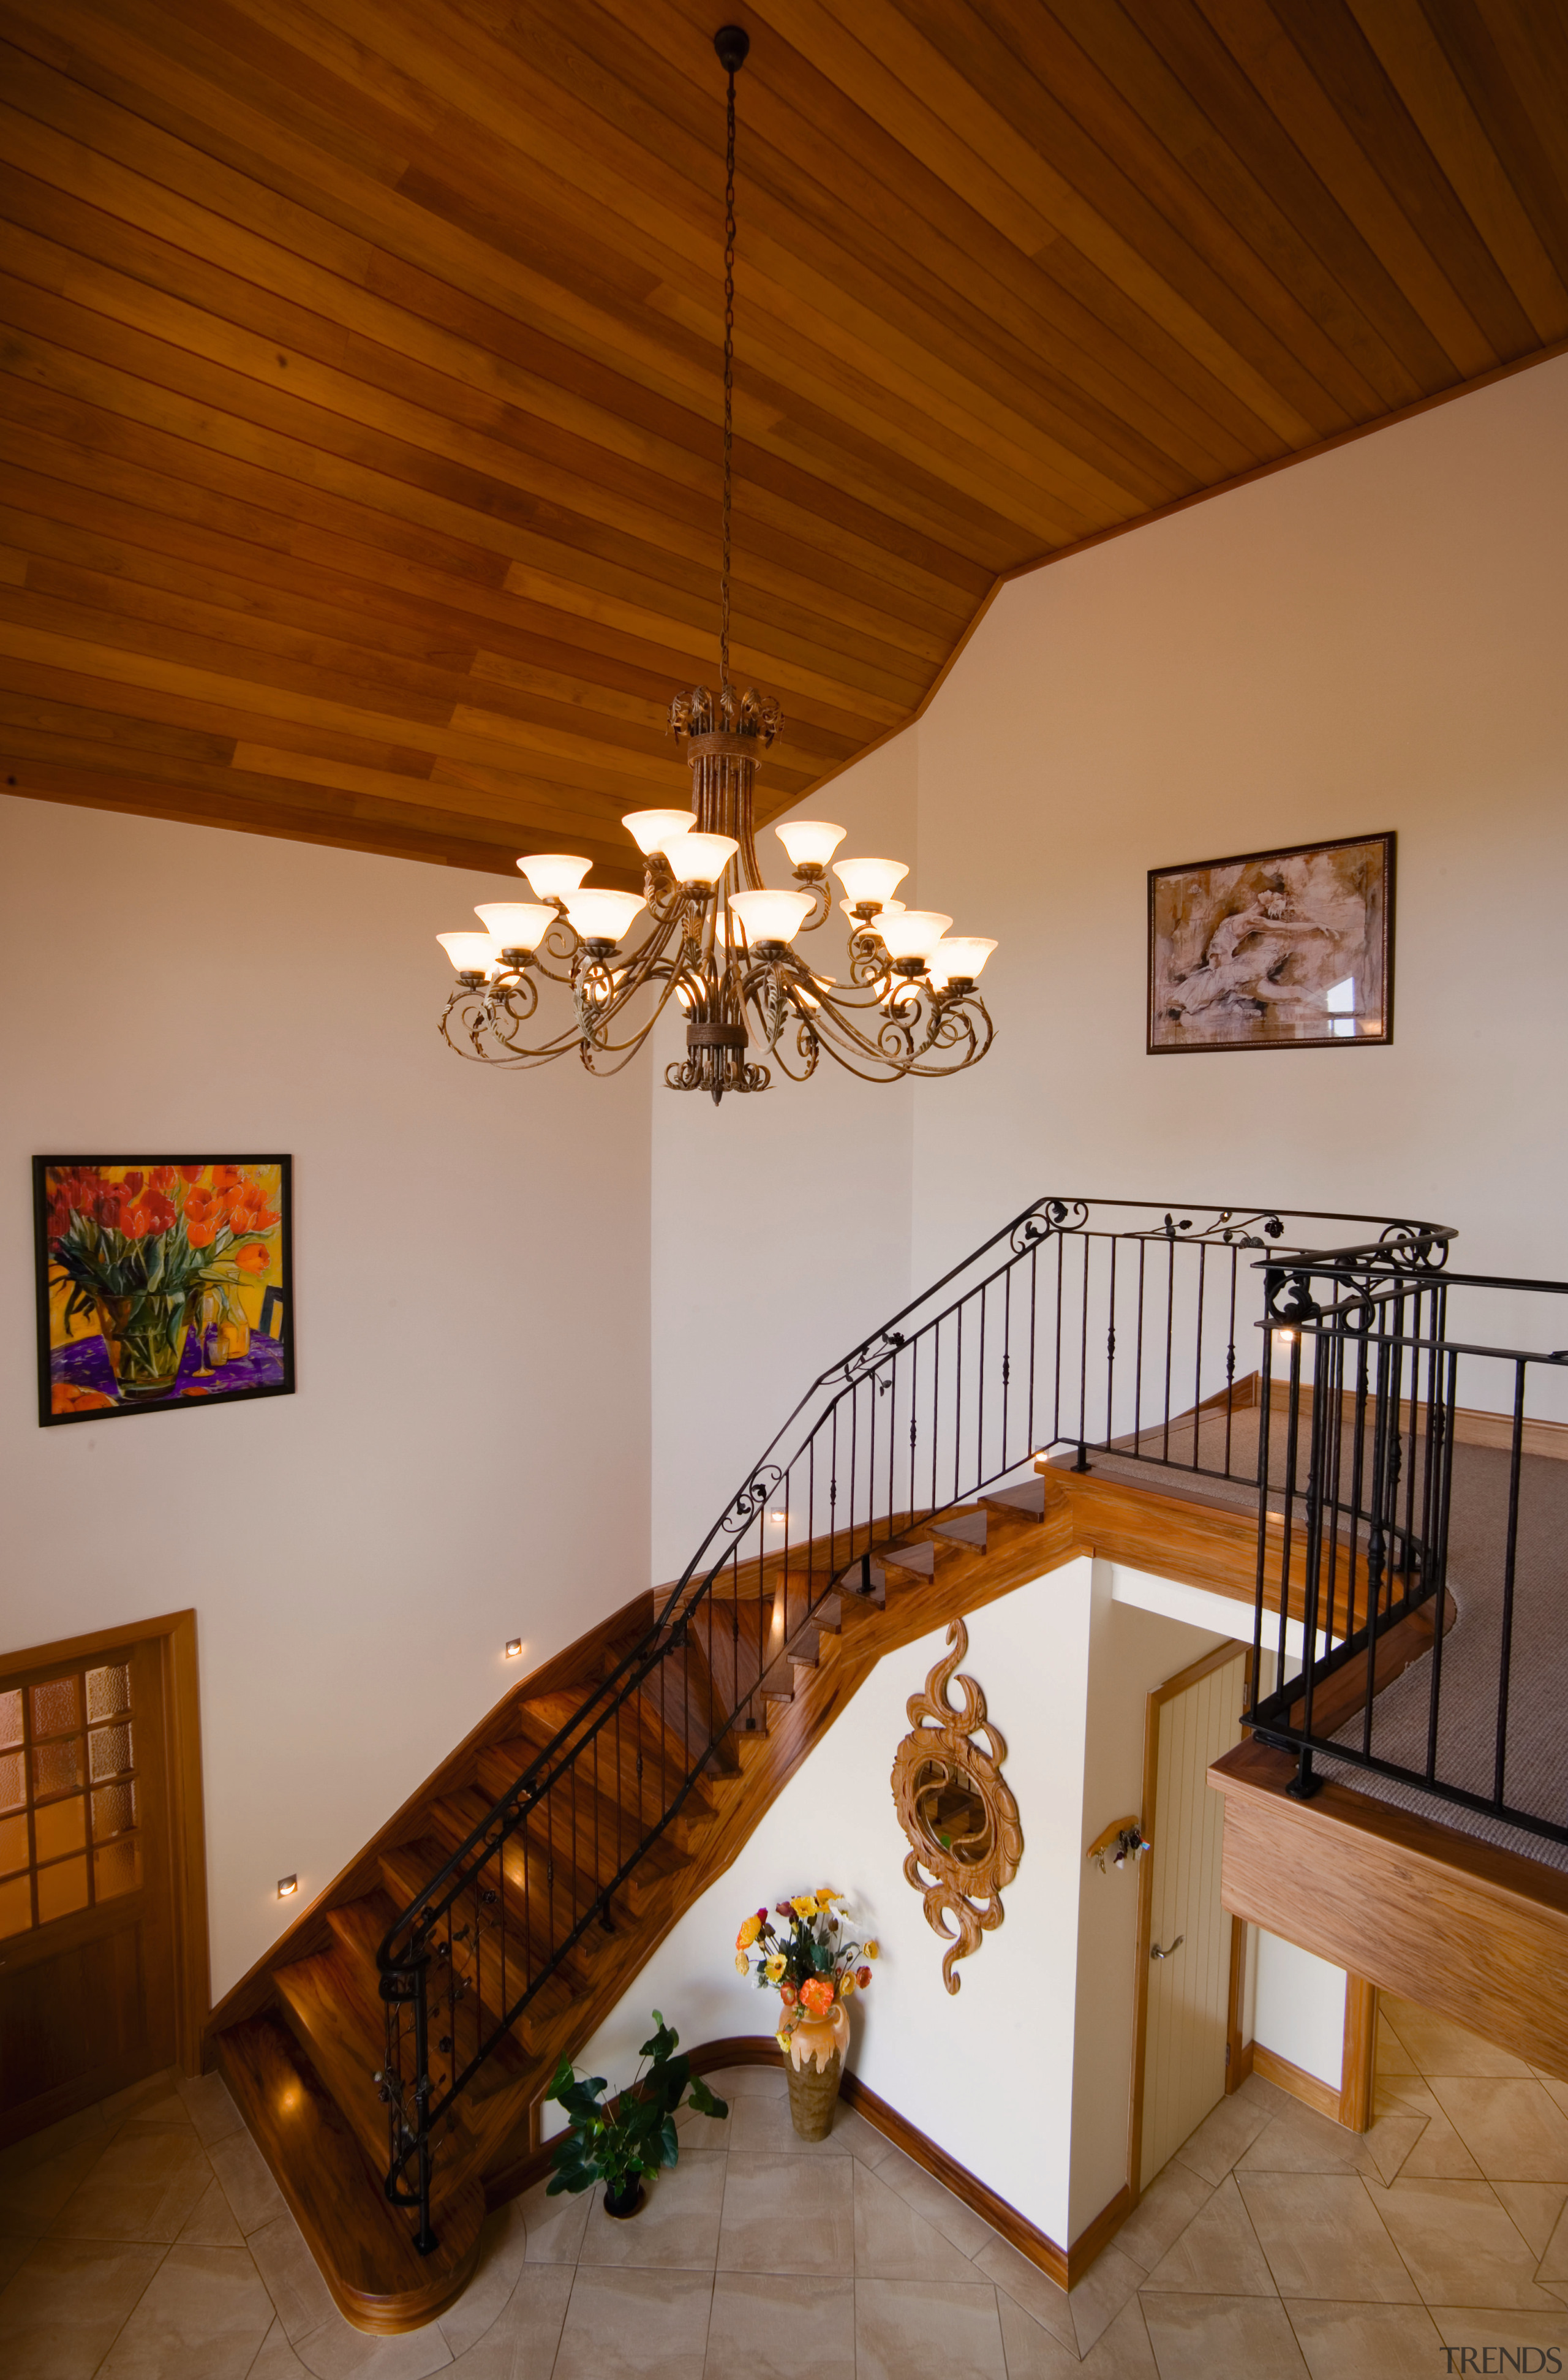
{"points": [[1371, 639], [779, 1221], [1299, 2009], [467, 1456], [1042, 2116]]}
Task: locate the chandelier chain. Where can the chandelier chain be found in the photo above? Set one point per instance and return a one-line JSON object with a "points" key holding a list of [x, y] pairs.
{"points": [[729, 383]]}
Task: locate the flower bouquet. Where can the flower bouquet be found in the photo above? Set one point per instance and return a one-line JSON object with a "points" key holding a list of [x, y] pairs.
{"points": [[816, 1966], [140, 1250]]}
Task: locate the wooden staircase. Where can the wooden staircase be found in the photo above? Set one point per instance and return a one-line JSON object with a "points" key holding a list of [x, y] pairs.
{"points": [[301, 2039]]}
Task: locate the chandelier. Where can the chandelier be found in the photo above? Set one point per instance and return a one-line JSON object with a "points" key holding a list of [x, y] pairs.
{"points": [[714, 940]]}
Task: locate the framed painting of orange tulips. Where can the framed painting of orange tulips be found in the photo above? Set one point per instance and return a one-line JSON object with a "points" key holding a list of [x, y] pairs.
{"points": [[162, 1282]]}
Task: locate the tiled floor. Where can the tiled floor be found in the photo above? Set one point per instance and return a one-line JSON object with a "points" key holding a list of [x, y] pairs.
{"points": [[145, 2240]]}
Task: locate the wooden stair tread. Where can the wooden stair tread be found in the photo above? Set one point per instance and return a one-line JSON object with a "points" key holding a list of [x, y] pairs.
{"points": [[363, 2245], [331, 2007], [540, 1719], [408, 1867]]}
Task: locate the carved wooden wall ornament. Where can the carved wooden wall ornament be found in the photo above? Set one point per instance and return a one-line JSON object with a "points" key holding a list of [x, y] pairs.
{"points": [[956, 1807]]}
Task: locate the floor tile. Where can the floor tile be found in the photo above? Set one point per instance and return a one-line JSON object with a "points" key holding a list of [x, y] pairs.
{"points": [[1391, 2056], [1458, 2244], [338, 2351], [780, 2221], [1212, 2339], [781, 2326], [1032, 2352], [861, 2139], [1439, 2155], [146, 2185], [246, 2180], [927, 2330], [652, 2325], [1536, 2209], [211, 2223], [1323, 2238], [277, 2360], [33, 2191], [967, 2232], [893, 2242], [1390, 2139], [1438, 2046], [1038, 2295], [697, 2131], [55, 2140], [520, 2343], [677, 2225], [1225, 2134], [1166, 2208], [1366, 2342], [734, 2082], [1217, 2254], [1298, 2140], [503, 2242], [63, 2309], [1095, 2301], [294, 2282], [556, 2226], [206, 2311], [155, 2100], [762, 2126], [14, 2249], [211, 2107], [1514, 2131]]}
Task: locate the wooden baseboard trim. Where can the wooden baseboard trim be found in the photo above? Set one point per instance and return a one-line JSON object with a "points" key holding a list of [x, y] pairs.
{"points": [[1064, 2266], [1323, 2096], [1358, 2061]]}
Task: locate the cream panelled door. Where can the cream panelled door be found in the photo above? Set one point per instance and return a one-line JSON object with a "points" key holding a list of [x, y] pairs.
{"points": [[1187, 1946]]}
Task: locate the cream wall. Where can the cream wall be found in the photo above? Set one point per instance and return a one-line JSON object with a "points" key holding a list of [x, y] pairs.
{"points": [[1042, 2117], [780, 1222], [1371, 639], [467, 1456]]}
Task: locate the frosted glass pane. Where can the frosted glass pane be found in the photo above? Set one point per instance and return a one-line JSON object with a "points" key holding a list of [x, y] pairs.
{"points": [[108, 1692], [116, 1868], [62, 1889], [60, 1826], [16, 1905], [13, 1781], [12, 1844], [114, 1809], [111, 1752], [54, 1708], [11, 1716], [57, 1767]]}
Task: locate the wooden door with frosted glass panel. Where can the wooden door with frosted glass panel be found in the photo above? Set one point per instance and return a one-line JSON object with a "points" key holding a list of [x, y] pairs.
{"points": [[1185, 1937], [86, 1999]]}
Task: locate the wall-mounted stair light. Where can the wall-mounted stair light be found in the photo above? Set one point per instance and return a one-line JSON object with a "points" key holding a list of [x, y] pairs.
{"points": [[513, 1648], [287, 1887]]}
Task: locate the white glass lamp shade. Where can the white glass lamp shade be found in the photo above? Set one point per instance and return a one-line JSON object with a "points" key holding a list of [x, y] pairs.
{"points": [[770, 917], [601, 916], [515, 924], [649, 828], [870, 880], [960, 954], [554, 874], [810, 843], [698, 858], [913, 933], [471, 953]]}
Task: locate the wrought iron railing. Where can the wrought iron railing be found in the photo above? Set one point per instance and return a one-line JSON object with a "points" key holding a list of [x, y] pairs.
{"points": [[1086, 1326], [1406, 1453]]}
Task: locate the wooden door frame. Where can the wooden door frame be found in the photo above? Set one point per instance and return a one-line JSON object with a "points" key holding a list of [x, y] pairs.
{"points": [[1218, 1659], [175, 1633]]}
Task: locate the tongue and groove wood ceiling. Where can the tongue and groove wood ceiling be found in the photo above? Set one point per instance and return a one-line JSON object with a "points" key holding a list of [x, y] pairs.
{"points": [[360, 393]]}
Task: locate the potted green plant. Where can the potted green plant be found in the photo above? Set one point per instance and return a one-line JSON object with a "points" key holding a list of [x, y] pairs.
{"points": [[619, 2142]]}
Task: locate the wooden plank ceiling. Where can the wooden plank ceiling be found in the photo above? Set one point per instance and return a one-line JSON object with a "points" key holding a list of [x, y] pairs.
{"points": [[361, 400]]}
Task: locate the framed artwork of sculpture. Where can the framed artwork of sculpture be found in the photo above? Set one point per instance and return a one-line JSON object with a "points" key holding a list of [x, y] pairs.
{"points": [[1273, 950], [162, 1281]]}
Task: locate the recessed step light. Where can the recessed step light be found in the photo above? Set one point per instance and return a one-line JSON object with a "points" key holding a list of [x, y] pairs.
{"points": [[513, 1648], [287, 1887]]}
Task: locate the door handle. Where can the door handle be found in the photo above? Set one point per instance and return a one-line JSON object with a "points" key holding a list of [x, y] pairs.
{"points": [[1158, 1953]]}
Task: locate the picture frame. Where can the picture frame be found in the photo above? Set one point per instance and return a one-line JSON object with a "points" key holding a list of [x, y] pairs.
{"points": [[1287, 948], [163, 1282]]}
